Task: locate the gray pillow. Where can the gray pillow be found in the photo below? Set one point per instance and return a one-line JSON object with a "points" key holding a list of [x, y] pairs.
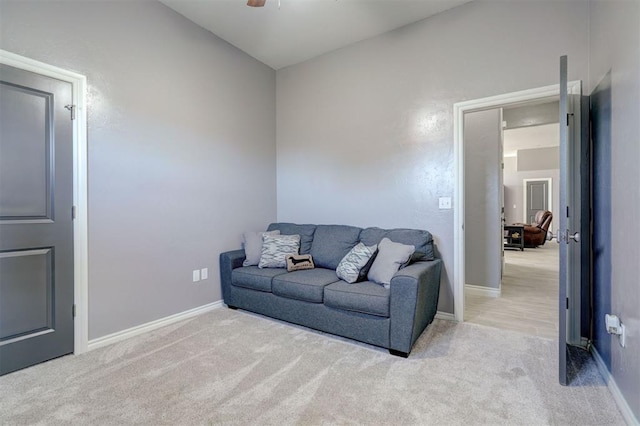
{"points": [[276, 248], [349, 267], [252, 244], [388, 261]]}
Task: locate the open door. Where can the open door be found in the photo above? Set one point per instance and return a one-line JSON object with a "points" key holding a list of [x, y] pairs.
{"points": [[570, 220]]}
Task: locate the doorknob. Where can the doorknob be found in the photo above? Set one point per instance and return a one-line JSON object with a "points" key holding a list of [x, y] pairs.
{"points": [[575, 237]]}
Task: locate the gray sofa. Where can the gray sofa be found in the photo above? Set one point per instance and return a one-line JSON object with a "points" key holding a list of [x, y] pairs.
{"points": [[391, 318]]}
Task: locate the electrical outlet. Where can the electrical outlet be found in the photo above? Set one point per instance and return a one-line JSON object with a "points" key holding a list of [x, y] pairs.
{"points": [[444, 203], [204, 273], [196, 275]]}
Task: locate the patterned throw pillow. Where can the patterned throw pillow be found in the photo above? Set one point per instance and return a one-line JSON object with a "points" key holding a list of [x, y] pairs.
{"points": [[252, 244], [350, 265], [298, 262], [275, 248]]}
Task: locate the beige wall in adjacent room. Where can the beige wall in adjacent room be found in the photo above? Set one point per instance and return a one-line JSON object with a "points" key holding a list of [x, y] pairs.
{"points": [[514, 192], [181, 143]]}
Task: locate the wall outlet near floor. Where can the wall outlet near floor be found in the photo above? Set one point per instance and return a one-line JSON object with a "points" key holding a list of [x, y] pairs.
{"points": [[196, 275], [204, 273]]}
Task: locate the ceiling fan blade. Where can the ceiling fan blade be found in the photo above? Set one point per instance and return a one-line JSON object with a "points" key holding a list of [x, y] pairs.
{"points": [[255, 3]]}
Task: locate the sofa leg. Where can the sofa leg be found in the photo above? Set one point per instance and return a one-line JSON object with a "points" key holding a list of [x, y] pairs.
{"points": [[399, 353]]}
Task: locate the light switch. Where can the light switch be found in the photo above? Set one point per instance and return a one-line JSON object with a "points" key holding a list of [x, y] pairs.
{"points": [[196, 275], [204, 273], [444, 203]]}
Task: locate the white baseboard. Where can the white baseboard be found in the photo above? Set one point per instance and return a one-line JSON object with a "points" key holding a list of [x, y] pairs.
{"points": [[621, 402], [445, 316], [145, 328], [479, 290]]}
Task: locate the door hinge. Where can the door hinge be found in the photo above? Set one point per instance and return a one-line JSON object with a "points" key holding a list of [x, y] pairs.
{"points": [[72, 109], [73, 310], [566, 299], [568, 115], [73, 212]]}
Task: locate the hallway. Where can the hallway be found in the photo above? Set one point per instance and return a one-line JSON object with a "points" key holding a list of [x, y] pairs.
{"points": [[529, 296]]}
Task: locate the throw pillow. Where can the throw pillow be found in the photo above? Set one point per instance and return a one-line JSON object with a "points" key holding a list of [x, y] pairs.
{"points": [[297, 262], [349, 267], [275, 249], [388, 261], [252, 244], [362, 276]]}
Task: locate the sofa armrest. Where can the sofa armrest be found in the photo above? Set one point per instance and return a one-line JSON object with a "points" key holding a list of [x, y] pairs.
{"points": [[229, 261], [413, 302]]}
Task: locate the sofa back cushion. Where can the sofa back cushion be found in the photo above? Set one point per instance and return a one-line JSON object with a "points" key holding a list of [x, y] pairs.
{"points": [[331, 243], [421, 240], [305, 231]]}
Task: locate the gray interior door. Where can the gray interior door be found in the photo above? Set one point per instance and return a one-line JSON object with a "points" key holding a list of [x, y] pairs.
{"points": [[537, 198], [572, 174], [36, 231]]}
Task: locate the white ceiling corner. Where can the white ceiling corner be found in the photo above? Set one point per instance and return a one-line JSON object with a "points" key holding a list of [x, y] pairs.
{"points": [[303, 29]]}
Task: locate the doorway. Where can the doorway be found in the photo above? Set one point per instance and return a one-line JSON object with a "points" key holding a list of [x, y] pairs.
{"points": [[499, 101], [77, 204], [520, 144], [537, 196]]}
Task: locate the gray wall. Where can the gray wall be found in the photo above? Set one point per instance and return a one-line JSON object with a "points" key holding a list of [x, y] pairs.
{"points": [[482, 226], [513, 194], [531, 115], [367, 130], [614, 45], [538, 159], [181, 148]]}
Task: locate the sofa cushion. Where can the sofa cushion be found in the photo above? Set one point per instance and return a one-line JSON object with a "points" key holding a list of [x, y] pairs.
{"points": [[331, 243], [252, 245], [275, 249], [305, 231], [307, 285], [298, 262], [391, 256], [421, 240], [255, 278], [364, 297], [350, 266]]}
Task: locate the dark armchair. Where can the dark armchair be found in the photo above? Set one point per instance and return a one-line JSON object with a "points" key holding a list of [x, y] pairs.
{"points": [[535, 233]]}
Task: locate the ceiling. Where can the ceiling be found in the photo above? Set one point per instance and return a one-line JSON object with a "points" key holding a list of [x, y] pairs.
{"points": [[532, 137], [302, 29]]}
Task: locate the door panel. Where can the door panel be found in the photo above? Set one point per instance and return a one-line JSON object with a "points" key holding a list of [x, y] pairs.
{"points": [[537, 197], [26, 144], [570, 224], [27, 290], [36, 230]]}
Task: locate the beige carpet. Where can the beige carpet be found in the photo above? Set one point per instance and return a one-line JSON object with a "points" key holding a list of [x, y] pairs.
{"points": [[231, 367]]}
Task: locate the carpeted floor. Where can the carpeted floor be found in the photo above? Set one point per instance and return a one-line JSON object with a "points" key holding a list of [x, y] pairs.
{"points": [[232, 367]]}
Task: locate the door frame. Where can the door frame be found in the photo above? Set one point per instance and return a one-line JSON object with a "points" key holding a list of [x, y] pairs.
{"points": [[459, 109], [80, 223], [524, 195]]}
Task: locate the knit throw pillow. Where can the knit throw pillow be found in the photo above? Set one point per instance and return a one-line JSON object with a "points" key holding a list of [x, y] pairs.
{"points": [[275, 248], [350, 265]]}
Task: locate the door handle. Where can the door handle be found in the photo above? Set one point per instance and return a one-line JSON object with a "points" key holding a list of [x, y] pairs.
{"points": [[575, 236]]}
